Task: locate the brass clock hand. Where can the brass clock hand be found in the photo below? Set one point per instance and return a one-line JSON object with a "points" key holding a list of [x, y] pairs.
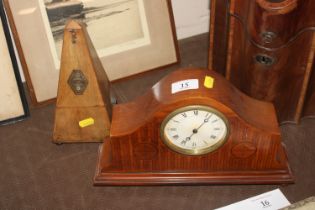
{"points": [[205, 121], [187, 139], [196, 129]]}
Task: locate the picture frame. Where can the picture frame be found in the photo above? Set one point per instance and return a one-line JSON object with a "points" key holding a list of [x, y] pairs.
{"points": [[14, 105], [142, 38]]}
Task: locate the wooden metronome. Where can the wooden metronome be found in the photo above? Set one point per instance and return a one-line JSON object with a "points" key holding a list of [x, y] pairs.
{"points": [[193, 127], [83, 108]]}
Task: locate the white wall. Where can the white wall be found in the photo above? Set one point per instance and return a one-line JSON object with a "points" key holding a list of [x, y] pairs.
{"points": [[191, 17]]}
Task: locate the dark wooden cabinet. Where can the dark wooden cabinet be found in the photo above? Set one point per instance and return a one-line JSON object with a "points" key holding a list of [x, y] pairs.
{"points": [[266, 49]]}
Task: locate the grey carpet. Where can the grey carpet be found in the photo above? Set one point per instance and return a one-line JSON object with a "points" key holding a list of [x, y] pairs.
{"points": [[36, 174]]}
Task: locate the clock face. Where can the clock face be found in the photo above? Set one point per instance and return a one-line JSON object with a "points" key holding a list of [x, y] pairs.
{"points": [[194, 130]]}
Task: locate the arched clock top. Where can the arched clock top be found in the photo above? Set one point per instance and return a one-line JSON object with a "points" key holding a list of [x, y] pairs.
{"points": [[159, 101]]}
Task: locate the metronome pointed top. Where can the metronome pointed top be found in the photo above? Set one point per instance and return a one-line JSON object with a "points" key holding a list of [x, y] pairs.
{"points": [[72, 24]]}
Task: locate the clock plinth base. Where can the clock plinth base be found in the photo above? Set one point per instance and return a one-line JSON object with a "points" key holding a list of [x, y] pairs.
{"points": [[113, 177]]}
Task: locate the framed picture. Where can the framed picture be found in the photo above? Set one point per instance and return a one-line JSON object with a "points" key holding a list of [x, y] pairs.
{"points": [[131, 36], [12, 98]]}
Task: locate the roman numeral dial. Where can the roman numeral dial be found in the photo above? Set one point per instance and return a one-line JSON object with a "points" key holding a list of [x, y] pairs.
{"points": [[194, 130]]}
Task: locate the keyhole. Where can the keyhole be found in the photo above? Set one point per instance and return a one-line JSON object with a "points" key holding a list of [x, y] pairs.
{"points": [[264, 59]]}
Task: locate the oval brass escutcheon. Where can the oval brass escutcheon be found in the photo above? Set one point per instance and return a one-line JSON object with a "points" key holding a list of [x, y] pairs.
{"points": [[78, 82], [265, 59]]}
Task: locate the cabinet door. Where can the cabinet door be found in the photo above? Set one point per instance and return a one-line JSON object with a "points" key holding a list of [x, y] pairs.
{"points": [[219, 29]]}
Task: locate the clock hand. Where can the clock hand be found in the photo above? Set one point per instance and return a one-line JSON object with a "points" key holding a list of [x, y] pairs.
{"points": [[196, 129], [204, 122], [189, 138]]}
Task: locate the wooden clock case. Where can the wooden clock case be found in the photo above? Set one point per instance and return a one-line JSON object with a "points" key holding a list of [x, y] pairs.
{"points": [[134, 154]]}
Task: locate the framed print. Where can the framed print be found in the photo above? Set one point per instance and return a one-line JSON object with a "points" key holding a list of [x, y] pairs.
{"points": [[130, 36], [12, 98]]}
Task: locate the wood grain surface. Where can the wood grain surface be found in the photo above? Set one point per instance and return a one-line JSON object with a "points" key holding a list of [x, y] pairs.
{"points": [[78, 53], [270, 52], [134, 154]]}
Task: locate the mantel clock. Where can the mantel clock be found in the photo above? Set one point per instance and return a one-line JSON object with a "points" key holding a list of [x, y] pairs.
{"points": [[193, 127]]}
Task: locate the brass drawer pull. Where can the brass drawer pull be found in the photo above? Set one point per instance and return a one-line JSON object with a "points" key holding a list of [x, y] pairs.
{"points": [[268, 36]]}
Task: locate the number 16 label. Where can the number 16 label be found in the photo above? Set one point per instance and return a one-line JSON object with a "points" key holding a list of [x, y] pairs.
{"points": [[272, 200]]}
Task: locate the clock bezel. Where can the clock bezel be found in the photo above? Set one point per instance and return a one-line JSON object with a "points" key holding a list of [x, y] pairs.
{"points": [[194, 152]]}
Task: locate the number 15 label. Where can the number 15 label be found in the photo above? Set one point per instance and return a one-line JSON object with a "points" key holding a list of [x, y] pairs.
{"points": [[183, 85]]}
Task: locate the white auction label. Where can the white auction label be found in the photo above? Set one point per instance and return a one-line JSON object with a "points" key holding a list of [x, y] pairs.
{"points": [[272, 200], [183, 85]]}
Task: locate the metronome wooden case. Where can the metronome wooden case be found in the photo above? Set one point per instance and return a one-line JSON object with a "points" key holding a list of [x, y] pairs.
{"points": [[83, 107], [147, 147]]}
